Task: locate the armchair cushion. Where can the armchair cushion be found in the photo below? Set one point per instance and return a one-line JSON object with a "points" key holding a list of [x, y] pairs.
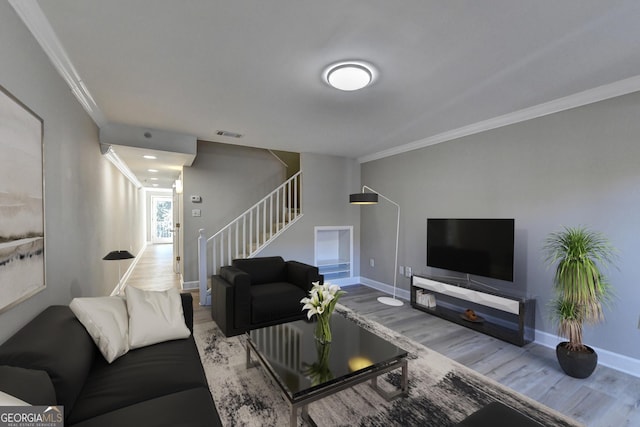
{"points": [[264, 269], [275, 301]]}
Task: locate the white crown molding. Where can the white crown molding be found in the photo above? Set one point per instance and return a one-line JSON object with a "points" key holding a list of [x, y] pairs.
{"points": [[35, 20], [33, 17], [590, 96], [122, 166]]}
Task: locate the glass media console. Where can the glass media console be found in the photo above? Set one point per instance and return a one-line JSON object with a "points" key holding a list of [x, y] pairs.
{"points": [[507, 318]]}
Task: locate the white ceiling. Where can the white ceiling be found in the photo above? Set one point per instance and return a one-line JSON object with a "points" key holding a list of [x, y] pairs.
{"points": [[255, 67], [167, 165]]}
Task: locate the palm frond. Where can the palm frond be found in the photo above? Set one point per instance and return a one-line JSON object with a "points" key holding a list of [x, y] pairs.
{"points": [[580, 286]]}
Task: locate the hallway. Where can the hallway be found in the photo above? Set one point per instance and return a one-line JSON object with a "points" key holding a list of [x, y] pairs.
{"points": [[154, 270]]}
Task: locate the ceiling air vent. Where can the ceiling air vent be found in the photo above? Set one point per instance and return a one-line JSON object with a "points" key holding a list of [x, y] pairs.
{"points": [[229, 134]]}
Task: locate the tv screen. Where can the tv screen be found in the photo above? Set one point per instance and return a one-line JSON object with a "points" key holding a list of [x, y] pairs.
{"points": [[482, 247]]}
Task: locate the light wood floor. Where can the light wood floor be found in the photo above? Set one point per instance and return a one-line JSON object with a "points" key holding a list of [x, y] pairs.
{"points": [[154, 269], [606, 399]]}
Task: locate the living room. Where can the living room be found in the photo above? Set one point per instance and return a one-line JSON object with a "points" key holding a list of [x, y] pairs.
{"points": [[572, 163]]}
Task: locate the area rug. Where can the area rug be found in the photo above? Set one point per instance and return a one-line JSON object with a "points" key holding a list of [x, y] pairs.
{"points": [[442, 392]]}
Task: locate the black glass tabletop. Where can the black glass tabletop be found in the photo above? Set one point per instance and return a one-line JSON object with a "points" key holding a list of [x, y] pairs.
{"points": [[301, 365]]}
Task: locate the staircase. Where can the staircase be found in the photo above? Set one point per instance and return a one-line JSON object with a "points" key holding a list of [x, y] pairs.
{"points": [[249, 233]]}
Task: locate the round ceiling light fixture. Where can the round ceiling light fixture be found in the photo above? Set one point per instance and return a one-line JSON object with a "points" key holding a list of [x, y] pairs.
{"points": [[349, 76]]}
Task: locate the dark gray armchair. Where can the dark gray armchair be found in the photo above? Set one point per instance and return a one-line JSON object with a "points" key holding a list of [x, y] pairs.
{"points": [[257, 292]]}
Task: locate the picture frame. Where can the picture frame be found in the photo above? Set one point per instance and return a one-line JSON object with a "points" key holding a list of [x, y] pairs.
{"points": [[22, 257]]}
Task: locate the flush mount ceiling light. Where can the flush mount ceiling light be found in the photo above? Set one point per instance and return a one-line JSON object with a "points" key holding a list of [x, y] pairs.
{"points": [[349, 76]]}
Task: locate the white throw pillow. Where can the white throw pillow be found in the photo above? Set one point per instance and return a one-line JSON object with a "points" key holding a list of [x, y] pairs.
{"points": [[8, 400], [155, 316], [106, 320]]}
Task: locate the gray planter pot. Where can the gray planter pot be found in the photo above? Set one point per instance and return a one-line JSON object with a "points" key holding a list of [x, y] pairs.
{"points": [[577, 364]]}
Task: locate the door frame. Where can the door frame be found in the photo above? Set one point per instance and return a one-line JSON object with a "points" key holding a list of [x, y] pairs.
{"points": [[154, 238]]}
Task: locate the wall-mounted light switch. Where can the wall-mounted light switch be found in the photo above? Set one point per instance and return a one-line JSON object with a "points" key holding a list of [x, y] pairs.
{"points": [[372, 263], [401, 270], [407, 271], [195, 212]]}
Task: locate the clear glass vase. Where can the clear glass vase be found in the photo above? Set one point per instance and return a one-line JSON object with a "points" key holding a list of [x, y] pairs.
{"points": [[323, 329]]}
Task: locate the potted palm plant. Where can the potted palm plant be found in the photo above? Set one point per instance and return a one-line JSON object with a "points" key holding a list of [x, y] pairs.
{"points": [[581, 290]]}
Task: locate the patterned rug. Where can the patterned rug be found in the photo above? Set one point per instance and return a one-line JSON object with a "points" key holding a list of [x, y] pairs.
{"points": [[442, 392]]}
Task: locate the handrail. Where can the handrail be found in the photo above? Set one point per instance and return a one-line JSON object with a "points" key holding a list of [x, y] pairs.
{"points": [[281, 186]]}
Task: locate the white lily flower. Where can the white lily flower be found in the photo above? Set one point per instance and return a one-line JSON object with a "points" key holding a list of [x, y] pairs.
{"points": [[326, 296], [321, 299]]}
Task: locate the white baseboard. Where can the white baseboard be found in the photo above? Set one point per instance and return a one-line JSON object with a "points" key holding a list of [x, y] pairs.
{"points": [[347, 281], [383, 287], [190, 286], [607, 358]]}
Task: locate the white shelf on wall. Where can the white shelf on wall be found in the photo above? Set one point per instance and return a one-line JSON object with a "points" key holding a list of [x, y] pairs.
{"points": [[334, 252]]}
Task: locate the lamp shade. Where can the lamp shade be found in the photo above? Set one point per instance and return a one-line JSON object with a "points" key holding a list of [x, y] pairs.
{"points": [[118, 255], [363, 198]]}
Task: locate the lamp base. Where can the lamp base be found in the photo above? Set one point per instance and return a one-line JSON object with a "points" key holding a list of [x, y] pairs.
{"points": [[390, 301]]}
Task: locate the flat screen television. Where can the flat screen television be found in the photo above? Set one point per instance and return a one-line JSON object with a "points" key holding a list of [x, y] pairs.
{"points": [[483, 247]]}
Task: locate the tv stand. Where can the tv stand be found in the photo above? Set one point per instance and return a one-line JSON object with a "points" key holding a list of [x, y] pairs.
{"points": [[507, 318], [467, 280]]}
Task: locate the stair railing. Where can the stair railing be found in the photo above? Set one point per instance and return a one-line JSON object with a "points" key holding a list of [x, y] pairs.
{"points": [[250, 232]]}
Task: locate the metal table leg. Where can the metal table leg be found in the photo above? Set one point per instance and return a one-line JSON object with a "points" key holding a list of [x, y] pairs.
{"points": [[404, 384]]}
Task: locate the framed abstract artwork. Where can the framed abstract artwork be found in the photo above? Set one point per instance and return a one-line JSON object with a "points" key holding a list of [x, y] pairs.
{"points": [[21, 202]]}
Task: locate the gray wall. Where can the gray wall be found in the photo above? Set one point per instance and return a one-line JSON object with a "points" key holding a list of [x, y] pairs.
{"points": [[230, 179], [90, 208], [575, 167], [327, 182], [241, 176]]}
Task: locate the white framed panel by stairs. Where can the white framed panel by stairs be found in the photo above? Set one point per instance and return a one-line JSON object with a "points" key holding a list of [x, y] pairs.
{"points": [[333, 249]]}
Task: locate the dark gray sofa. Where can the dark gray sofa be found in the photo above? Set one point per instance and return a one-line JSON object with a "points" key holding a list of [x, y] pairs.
{"points": [[53, 361], [258, 292]]}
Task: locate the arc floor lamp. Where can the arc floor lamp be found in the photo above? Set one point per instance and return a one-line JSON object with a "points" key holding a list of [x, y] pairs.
{"points": [[371, 198], [118, 256]]}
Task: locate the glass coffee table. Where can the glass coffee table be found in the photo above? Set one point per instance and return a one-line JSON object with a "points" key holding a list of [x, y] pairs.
{"points": [[305, 370]]}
